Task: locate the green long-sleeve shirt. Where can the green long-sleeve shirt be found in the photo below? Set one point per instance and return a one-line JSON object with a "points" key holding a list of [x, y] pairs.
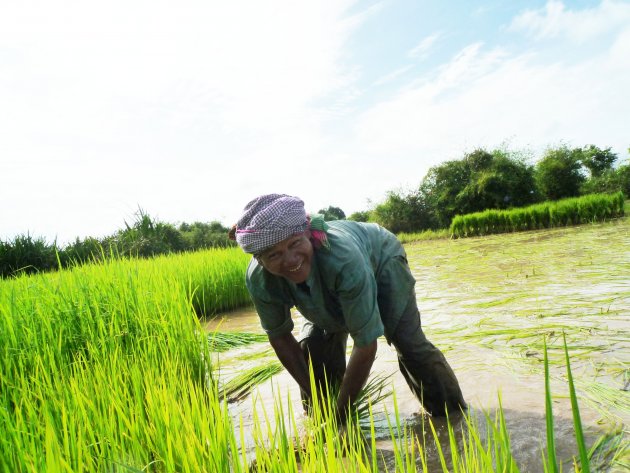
{"points": [[361, 285]]}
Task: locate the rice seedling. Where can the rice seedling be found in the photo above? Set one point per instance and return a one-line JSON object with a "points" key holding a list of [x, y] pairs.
{"points": [[423, 236], [577, 421], [609, 401], [224, 341], [241, 385], [375, 391], [573, 211], [611, 450], [126, 325], [257, 355], [551, 465]]}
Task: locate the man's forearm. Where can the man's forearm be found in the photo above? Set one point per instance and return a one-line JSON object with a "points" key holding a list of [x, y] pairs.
{"points": [[290, 355], [357, 373]]}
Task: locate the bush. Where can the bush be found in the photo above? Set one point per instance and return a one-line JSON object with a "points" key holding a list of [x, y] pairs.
{"points": [[402, 213], [361, 216], [26, 254]]}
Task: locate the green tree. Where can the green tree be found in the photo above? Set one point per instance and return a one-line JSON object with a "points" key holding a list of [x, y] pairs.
{"points": [[200, 235], [559, 173], [360, 216], [507, 181], [332, 213], [610, 181], [597, 160], [402, 212], [480, 181], [442, 188]]}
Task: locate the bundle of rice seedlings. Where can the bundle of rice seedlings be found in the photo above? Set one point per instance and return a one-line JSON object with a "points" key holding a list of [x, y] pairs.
{"points": [[242, 384], [375, 391], [224, 341]]}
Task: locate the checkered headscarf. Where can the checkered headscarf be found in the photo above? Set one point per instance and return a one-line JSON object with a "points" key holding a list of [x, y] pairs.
{"points": [[268, 220]]}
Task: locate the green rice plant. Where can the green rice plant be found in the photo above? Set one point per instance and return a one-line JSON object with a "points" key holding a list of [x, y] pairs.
{"points": [[605, 398], [572, 211], [372, 393], [422, 236], [611, 450], [577, 421], [551, 465], [325, 445], [244, 382], [125, 325], [470, 453], [457, 229], [224, 341], [108, 368], [215, 277]]}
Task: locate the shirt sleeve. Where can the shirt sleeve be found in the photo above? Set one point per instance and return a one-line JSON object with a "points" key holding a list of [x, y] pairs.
{"points": [[273, 312], [357, 292], [275, 319]]}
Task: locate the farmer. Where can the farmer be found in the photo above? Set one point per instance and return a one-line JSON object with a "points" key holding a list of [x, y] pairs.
{"points": [[345, 278]]}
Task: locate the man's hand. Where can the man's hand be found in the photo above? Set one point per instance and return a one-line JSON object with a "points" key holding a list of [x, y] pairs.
{"points": [[357, 372], [290, 355]]}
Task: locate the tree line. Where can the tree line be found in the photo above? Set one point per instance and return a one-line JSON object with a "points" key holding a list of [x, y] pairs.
{"points": [[498, 179], [481, 180], [145, 237]]}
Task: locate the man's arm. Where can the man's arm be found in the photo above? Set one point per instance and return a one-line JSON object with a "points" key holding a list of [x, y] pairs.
{"points": [[291, 356], [357, 372]]}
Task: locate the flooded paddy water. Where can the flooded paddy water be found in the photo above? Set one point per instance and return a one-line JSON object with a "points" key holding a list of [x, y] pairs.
{"points": [[489, 303]]}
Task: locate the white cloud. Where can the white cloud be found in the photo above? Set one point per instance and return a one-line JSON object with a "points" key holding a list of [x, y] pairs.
{"points": [[107, 106], [555, 20], [392, 75], [423, 48], [486, 97]]}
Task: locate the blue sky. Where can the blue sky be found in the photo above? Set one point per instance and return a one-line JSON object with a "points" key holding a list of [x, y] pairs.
{"points": [[189, 109]]}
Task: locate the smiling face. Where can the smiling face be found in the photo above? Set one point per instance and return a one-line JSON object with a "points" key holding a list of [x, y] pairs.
{"points": [[291, 258]]}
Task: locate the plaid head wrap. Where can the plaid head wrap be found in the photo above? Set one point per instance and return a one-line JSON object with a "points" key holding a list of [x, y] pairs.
{"points": [[268, 220]]}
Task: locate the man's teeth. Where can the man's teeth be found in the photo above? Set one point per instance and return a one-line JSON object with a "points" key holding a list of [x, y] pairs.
{"points": [[296, 269]]}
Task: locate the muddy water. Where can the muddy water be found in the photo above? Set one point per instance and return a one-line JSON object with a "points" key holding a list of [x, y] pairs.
{"points": [[488, 303]]}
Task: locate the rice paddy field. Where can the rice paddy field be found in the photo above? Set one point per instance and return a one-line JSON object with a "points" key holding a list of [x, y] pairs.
{"points": [[490, 304], [108, 368]]}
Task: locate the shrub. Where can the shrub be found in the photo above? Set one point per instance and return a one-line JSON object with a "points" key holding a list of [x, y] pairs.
{"points": [[25, 254]]}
